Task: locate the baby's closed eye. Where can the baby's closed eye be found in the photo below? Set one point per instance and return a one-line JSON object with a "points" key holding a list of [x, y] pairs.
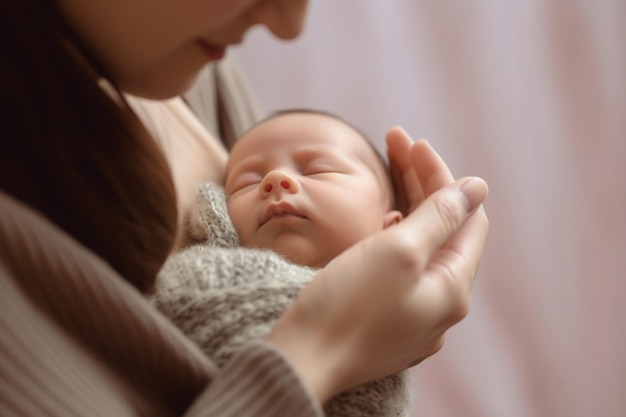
{"points": [[242, 181], [321, 167]]}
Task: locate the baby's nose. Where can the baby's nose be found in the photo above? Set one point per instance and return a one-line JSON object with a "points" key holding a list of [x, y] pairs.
{"points": [[277, 182]]}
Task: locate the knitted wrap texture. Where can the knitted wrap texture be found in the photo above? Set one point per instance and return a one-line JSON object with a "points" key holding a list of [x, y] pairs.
{"points": [[222, 295]]}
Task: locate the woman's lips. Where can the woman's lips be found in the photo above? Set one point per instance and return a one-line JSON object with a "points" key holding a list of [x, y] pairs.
{"points": [[214, 52]]}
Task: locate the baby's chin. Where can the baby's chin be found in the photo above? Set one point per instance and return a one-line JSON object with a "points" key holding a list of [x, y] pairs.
{"points": [[297, 247], [321, 264], [299, 255], [312, 262]]}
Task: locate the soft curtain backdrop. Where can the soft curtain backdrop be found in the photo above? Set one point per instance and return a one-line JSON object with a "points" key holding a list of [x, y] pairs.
{"points": [[530, 95]]}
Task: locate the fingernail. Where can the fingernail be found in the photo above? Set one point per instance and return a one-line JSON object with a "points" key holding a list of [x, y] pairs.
{"points": [[475, 191]]}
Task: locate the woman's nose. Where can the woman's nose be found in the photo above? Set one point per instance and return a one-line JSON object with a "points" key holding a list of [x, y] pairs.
{"points": [[277, 182], [284, 18]]}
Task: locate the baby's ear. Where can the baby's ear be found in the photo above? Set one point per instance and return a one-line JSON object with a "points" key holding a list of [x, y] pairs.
{"points": [[391, 217]]}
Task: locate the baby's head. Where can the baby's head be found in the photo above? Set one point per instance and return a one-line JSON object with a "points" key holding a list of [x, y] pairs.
{"points": [[307, 185]]}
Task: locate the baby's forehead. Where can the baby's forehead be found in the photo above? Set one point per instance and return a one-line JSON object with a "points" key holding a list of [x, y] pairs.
{"points": [[299, 131]]}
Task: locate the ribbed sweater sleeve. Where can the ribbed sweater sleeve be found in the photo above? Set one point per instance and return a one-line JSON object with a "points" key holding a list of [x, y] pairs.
{"points": [[77, 340], [258, 381]]}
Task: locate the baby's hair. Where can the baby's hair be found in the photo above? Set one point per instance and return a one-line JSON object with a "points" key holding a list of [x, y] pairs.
{"points": [[379, 155]]}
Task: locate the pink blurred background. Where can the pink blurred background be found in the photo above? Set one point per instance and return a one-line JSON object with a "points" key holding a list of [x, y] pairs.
{"points": [[530, 95]]}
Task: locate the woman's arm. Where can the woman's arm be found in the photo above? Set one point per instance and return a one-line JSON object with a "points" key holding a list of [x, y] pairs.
{"points": [[79, 340], [385, 304]]}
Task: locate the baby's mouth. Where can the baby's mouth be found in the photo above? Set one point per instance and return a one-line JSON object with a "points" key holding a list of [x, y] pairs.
{"points": [[280, 209]]}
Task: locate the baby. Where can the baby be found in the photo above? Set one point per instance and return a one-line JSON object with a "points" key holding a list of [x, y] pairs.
{"points": [[301, 187], [308, 186]]}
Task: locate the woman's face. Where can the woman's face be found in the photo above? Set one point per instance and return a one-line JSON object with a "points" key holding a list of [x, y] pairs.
{"points": [[155, 48]]}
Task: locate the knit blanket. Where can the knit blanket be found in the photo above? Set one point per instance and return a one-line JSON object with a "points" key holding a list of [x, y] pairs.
{"points": [[222, 295]]}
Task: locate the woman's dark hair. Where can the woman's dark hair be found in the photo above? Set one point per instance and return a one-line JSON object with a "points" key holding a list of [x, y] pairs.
{"points": [[74, 154]]}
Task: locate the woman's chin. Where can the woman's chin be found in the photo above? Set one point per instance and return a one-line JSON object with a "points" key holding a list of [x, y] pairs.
{"points": [[159, 89]]}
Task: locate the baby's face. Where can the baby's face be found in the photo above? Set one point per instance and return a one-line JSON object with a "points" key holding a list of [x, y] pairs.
{"points": [[307, 186]]}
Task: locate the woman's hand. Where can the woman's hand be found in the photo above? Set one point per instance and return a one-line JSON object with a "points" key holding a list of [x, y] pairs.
{"points": [[416, 169], [385, 304]]}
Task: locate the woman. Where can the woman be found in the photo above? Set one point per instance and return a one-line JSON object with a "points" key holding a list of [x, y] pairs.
{"points": [[90, 212]]}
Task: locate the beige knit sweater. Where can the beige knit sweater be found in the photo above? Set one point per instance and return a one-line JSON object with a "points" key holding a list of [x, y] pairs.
{"points": [[222, 295]]}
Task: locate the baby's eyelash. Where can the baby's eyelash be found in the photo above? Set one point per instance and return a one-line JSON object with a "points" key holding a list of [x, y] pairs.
{"points": [[318, 168], [244, 181]]}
